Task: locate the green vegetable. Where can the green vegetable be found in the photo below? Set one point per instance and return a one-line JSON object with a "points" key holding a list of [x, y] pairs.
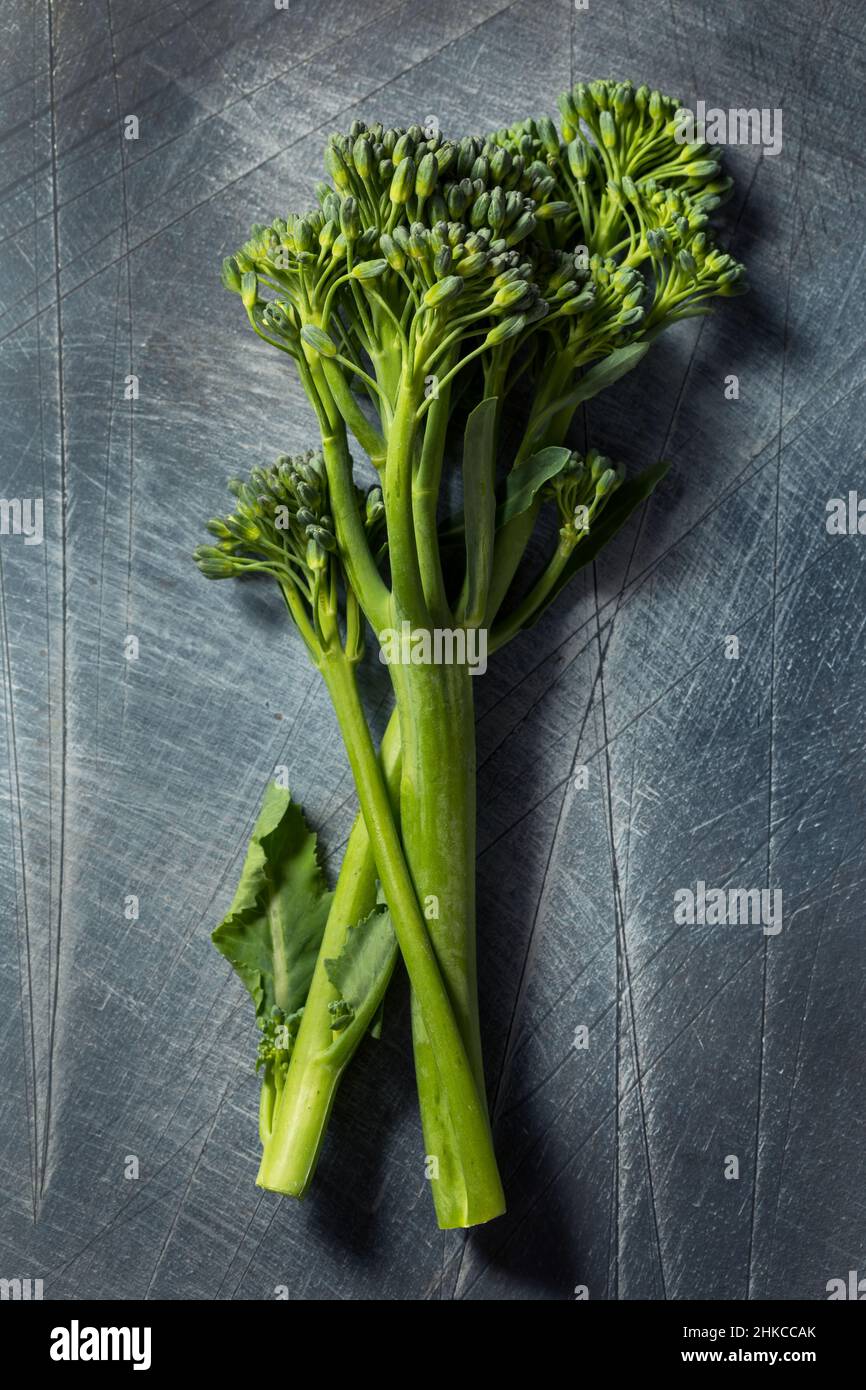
{"points": [[433, 277], [273, 931]]}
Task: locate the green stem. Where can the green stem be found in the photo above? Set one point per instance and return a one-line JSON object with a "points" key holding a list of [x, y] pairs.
{"points": [[437, 813], [296, 1128], [369, 438], [407, 586], [361, 571], [513, 538], [510, 625], [425, 496], [508, 551], [459, 1127]]}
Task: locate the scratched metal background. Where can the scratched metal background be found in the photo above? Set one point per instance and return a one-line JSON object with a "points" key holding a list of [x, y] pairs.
{"points": [[141, 777]]}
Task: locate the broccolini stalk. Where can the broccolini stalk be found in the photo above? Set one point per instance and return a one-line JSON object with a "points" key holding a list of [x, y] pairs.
{"points": [[432, 264], [281, 527], [324, 1045]]}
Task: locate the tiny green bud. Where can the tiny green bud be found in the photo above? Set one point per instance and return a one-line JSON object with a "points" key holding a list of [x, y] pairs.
{"points": [[478, 215], [580, 303], [427, 175], [336, 167], [213, 564], [394, 254], [317, 558], [583, 102], [350, 219], [308, 495], [510, 294], [508, 328], [404, 148], [596, 463], [328, 235], [231, 275], [568, 109], [702, 168], [369, 270], [374, 505], [523, 227], [446, 156], [496, 209], [249, 290], [362, 156], [548, 136], [317, 339], [443, 291], [606, 482], [546, 212], [500, 165], [623, 98], [457, 199], [303, 235], [323, 538], [341, 1014], [403, 182], [579, 158], [607, 126]]}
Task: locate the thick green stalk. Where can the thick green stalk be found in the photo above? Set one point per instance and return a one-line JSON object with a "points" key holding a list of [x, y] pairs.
{"points": [[478, 1193], [294, 1132], [437, 812], [437, 807]]}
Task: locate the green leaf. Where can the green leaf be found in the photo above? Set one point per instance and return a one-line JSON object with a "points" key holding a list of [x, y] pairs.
{"points": [[516, 492], [524, 481], [363, 968], [619, 508], [273, 929], [479, 504], [597, 379]]}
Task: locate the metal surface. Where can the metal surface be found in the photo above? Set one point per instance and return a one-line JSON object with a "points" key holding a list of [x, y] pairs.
{"points": [[126, 1038]]}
